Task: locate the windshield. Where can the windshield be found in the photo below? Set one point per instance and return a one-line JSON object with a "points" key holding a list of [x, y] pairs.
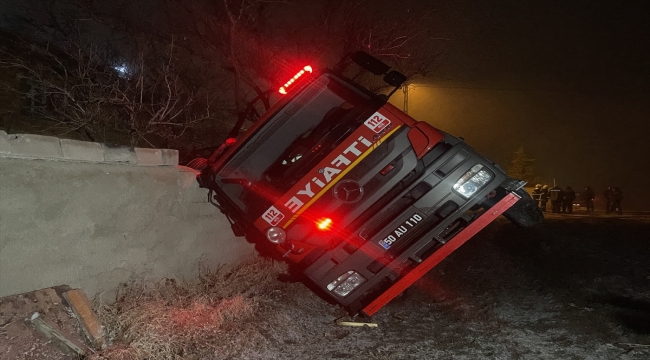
{"points": [[292, 142]]}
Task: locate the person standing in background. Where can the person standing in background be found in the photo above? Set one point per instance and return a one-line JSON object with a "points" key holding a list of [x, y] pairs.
{"points": [[537, 195], [567, 200], [608, 194], [617, 198], [543, 199], [588, 196], [556, 195]]}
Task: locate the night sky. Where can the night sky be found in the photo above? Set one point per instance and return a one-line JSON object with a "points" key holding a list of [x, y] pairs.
{"points": [[568, 80]]}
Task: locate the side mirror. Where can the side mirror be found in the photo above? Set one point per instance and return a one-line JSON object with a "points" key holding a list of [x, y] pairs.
{"points": [[394, 78], [369, 63], [375, 66]]}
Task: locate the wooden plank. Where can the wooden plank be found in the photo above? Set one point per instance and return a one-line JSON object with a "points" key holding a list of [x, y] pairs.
{"points": [[356, 324], [51, 333]]}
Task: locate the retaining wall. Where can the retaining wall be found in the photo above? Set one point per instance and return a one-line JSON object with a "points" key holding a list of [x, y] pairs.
{"points": [[93, 216]]}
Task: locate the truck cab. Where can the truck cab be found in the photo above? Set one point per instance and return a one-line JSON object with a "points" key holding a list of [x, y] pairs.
{"points": [[352, 192]]}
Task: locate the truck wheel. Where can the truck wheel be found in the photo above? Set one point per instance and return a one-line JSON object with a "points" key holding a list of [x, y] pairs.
{"points": [[525, 212]]}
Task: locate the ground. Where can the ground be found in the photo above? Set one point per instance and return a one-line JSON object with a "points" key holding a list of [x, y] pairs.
{"points": [[572, 287], [19, 340]]}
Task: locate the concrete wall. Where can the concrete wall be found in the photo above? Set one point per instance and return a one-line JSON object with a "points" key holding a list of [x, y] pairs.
{"points": [[91, 216]]}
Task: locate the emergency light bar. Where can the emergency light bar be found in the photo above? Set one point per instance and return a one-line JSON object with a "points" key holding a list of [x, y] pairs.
{"points": [[283, 89]]}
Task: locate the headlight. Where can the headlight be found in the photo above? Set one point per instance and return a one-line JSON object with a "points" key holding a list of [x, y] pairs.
{"points": [[345, 283], [473, 181], [276, 235]]}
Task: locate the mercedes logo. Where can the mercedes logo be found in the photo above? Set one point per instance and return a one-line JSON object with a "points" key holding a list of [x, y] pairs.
{"points": [[348, 191]]}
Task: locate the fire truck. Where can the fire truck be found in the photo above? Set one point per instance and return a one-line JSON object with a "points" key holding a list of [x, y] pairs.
{"points": [[358, 197]]}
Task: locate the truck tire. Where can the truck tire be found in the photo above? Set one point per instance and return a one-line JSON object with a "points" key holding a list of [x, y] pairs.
{"points": [[525, 212]]}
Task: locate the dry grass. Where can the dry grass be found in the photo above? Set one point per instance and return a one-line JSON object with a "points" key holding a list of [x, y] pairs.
{"points": [[184, 320]]}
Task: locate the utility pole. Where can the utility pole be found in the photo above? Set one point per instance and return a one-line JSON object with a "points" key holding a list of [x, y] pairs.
{"points": [[405, 90]]}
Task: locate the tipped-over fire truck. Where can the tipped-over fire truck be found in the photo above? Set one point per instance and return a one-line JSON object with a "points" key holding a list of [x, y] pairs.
{"points": [[357, 196]]}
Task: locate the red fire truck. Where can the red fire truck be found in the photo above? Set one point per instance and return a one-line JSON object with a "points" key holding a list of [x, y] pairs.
{"points": [[358, 197]]}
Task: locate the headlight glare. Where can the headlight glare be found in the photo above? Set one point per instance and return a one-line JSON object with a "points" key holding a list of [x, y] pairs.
{"points": [[276, 235], [472, 181], [346, 283]]}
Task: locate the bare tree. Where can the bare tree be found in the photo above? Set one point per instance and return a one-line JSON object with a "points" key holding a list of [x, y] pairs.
{"points": [[78, 91], [230, 39], [154, 100], [392, 31], [68, 90], [253, 45], [176, 54], [130, 88]]}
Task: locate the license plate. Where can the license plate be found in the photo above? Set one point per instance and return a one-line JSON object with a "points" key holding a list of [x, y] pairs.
{"points": [[404, 228]]}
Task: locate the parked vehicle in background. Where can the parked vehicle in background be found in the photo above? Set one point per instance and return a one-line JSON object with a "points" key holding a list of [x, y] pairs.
{"points": [[357, 196]]}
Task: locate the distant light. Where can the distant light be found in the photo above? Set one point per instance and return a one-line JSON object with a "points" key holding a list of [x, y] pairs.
{"points": [[123, 70], [283, 89]]}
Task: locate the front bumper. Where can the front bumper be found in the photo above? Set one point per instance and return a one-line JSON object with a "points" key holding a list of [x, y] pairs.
{"points": [[406, 232]]}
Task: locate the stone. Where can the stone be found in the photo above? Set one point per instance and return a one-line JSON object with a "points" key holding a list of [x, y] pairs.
{"points": [[82, 150]]}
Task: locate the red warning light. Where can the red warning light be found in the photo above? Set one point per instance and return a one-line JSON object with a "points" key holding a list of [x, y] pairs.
{"points": [[324, 224], [283, 89]]}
